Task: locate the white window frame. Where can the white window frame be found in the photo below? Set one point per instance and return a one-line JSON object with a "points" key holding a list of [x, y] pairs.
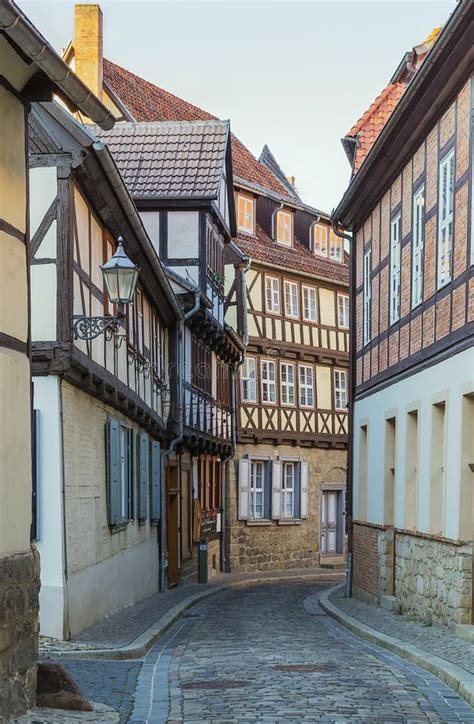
{"points": [[291, 299], [445, 219], [268, 384], [310, 305], [287, 238], [288, 491], [340, 389], [248, 214], [395, 257], [272, 295], [418, 245], [367, 295], [306, 385], [335, 246], [287, 383], [320, 247], [257, 492], [343, 311], [248, 380]]}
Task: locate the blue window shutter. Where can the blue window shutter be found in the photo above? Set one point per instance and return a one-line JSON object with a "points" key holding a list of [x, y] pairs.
{"points": [[113, 470], [155, 492], [143, 478], [267, 491]]}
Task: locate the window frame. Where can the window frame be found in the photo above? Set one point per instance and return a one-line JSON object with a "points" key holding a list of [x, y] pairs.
{"points": [[293, 296], [304, 385], [264, 380], [395, 267], [346, 299], [324, 253], [308, 288], [286, 385], [367, 296], [246, 199], [338, 389], [418, 246], [271, 309], [246, 378], [335, 240], [446, 206], [285, 491], [254, 490], [280, 214]]}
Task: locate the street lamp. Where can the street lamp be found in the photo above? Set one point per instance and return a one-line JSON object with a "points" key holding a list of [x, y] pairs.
{"points": [[120, 279]]}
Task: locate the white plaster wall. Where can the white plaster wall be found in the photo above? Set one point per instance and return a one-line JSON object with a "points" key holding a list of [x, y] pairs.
{"points": [[43, 302], [450, 380], [151, 222], [50, 506], [183, 234]]}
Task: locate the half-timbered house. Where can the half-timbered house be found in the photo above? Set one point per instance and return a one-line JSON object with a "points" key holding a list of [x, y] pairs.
{"points": [[188, 211], [304, 318], [409, 206], [103, 405], [30, 68]]}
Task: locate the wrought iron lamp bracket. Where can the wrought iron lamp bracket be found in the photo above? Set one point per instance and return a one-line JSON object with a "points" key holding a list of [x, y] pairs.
{"points": [[88, 328]]}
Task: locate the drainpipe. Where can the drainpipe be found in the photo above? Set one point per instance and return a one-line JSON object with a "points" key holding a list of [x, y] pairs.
{"points": [[179, 437], [349, 499]]}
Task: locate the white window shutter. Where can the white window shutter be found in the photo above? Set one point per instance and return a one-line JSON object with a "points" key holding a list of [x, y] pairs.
{"points": [[244, 486], [276, 489], [304, 489]]}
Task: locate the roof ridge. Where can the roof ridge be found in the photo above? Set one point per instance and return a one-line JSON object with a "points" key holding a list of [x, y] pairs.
{"points": [[373, 107]]}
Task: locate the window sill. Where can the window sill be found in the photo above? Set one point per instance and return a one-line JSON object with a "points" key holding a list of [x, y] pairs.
{"points": [[289, 521], [254, 523]]}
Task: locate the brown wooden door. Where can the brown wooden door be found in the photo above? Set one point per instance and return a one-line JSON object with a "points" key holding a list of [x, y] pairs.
{"points": [[173, 525]]}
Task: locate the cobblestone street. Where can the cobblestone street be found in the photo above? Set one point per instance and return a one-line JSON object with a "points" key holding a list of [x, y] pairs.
{"points": [[267, 653]]}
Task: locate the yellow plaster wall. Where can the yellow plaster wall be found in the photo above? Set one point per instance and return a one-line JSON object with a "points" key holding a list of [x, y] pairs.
{"points": [[323, 387], [13, 286], [12, 161], [326, 307], [256, 293]]}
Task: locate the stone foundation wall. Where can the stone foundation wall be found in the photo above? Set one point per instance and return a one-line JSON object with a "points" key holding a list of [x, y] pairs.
{"points": [[433, 579], [19, 589], [274, 545]]}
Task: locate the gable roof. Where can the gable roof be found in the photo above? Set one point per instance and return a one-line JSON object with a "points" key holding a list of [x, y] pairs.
{"points": [[145, 101], [172, 159], [267, 158], [299, 258]]}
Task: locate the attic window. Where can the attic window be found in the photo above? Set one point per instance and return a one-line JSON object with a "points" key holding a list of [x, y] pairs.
{"points": [[335, 246], [320, 239], [246, 214], [284, 228]]}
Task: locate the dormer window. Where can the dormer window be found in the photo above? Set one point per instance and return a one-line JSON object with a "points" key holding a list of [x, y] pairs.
{"points": [[284, 228], [335, 246], [320, 239], [246, 214]]}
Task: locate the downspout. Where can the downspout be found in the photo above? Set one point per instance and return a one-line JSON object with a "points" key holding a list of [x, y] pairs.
{"points": [[349, 479], [179, 437]]}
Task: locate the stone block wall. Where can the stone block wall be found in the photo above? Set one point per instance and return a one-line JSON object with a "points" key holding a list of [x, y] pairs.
{"points": [[433, 579], [19, 589], [273, 545]]}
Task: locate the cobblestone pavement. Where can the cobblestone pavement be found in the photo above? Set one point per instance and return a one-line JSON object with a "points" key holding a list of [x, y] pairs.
{"points": [[435, 640], [268, 653]]}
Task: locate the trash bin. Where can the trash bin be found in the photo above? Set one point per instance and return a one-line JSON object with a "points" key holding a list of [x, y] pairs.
{"points": [[203, 575]]}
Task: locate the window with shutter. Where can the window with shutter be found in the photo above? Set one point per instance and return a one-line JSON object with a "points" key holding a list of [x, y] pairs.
{"points": [[244, 483], [304, 489], [143, 475], [276, 489], [155, 484], [118, 473]]}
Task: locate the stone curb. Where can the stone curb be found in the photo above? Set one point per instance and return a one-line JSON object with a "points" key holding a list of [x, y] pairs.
{"points": [[143, 643], [454, 676]]}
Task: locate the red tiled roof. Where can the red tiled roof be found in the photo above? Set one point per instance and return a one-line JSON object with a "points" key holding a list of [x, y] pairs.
{"points": [[369, 126], [262, 248], [147, 102]]}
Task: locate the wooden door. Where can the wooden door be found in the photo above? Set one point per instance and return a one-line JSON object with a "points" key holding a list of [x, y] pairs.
{"points": [[332, 523], [173, 525]]}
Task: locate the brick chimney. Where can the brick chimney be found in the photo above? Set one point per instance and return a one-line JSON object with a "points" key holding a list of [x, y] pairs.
{"points": [[88, 46]]}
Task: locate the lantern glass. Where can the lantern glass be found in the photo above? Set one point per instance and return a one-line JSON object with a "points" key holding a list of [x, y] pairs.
{"points": [[120, 276]]}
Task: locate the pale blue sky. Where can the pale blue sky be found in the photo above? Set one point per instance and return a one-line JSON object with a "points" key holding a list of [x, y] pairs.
{"points": [[295, 75]]}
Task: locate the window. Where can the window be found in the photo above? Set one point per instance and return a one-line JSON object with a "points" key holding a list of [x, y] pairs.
{"points": [[214, 256], [343, 310], [340, 389], [119, 446], [284, 228], [223, 383], [395, 228], [272, 294], [257, 489], [445, 218], [306, 386], [320, 239], [143, 481], [291, 299], [288, 490], [268, 381], [367, 295], [248, 379], [246, 214], [418, 247], [201, 375], [287, 383], [335, 246], [309, 304]]}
